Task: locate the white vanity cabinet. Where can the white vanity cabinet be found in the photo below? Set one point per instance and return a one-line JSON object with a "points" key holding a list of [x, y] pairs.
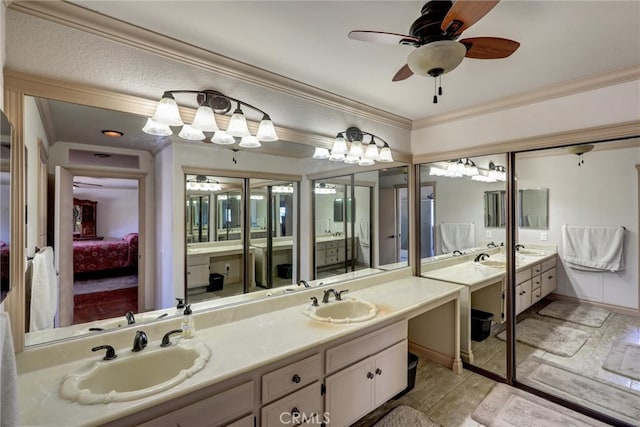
{"points": [[379, 373], [230, 407], [302, 407], [197, 271], [535, 283], [331, 252], [548, 278], [523, 296]]}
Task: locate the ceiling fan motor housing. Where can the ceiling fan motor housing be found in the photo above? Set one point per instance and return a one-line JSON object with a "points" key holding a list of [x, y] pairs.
{"points": [[427, 27]]}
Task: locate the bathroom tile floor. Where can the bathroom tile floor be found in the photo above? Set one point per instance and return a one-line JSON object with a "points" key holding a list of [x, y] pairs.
{"points": [[450, 399]]}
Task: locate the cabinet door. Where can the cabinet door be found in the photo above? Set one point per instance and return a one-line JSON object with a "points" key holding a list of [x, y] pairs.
{"points": [[390, 373], [197, 275], [536, 295], [523, 296], [303, 406], [350, 393], [549, 281]]}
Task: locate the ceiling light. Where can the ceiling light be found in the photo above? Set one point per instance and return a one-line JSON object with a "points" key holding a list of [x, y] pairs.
{"points": [[348, 147], [210, 103], [112, 133], [579, 150]]}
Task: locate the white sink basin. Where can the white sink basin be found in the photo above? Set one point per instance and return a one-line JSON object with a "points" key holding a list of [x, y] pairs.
{"points": [[493, 263], [531, 252], [134, 375], [351, 310]]}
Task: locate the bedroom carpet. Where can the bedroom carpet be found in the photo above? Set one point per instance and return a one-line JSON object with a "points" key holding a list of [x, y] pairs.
{"points": [[104, 305], [619, 402], [81, 287], [508, 406], [556, 339], [576, 313], [624, 359]]}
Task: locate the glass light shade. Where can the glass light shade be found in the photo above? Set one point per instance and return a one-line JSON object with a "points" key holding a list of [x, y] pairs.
{"points": [[337, 157], [167, 112], [238, 125], [385, 155], [356, 149], [371, 153], [249, 142], [339, 146], [366, 162], [222, 138], [321, 153], [205, 120], [352, 160], [158, 129], [436, 171], [436, 58], [266, 130], [188, 132]]}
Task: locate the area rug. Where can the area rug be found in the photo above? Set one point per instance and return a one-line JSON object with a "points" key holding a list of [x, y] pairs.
{"points": [[508, 406], [405, 416], [624, 359], [619, 402], [576, 313], [82, 287], [556, 339]]}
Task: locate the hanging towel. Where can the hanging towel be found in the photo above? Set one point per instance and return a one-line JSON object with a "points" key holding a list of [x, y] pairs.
{"points": [[363, 232], [456, 236], [8, 375], [593, 248], [44, 291]]}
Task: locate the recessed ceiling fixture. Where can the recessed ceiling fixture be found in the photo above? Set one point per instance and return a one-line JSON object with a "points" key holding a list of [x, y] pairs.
{"points": [[112, 133], [579, 150], [210, 102], [359, 152]]}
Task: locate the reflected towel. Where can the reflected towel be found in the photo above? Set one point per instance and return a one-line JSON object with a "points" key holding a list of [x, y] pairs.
{"points": [[8, 375], [44, 291], [456, 236], [363, 232], [593, 248]]}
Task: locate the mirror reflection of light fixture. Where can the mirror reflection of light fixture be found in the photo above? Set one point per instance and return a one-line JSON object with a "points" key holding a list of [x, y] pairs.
{"points": [[287, 189], [203, 183], [579, 150], [460, 168], [210, 102], [349, 147], [322, 188]]}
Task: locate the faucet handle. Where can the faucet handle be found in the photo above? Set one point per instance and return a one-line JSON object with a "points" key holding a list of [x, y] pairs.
{"points": [[111, 353], [166, 341], [314, 302], [130, 318], [339, 294]]}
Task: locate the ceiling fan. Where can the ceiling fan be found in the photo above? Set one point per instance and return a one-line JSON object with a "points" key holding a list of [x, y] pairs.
{"points": [[435, 36]]}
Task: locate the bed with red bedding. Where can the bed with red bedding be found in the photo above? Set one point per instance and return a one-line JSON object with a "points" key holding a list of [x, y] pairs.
{"points": [[101, 255]]}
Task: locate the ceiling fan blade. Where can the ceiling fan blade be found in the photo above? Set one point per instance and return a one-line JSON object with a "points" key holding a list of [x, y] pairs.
{"points": [[465, 13], [489, 47], [381, 37], [403, 73]]}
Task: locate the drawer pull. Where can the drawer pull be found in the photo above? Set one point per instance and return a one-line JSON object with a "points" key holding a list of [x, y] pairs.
{"points": [[378, 371], [550, 277], [369, 375], [296, 378]]}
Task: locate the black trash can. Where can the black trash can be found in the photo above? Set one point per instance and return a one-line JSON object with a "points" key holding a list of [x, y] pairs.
{"points": [[216, 282], [480, 324], [285, 271], [412, 368]]}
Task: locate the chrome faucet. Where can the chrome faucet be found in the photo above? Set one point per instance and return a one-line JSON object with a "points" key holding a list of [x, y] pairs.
{"points": [[457, 252], [339, 294], [130, 318], [327, 294], [481, 257], [139, 341], [304, 283], [519, 246]]}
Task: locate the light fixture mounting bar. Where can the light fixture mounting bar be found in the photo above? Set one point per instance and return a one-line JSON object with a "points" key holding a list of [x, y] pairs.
{"points": [[219, 102]]}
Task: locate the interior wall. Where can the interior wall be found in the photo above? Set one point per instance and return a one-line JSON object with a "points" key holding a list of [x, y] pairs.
{"points": [[117, 210], [602, 191]]}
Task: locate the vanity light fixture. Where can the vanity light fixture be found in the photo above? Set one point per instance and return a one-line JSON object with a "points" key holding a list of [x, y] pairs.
{"points": [[349, 147], [322, 188], [210, 102], [203, 183], [287, 189]]}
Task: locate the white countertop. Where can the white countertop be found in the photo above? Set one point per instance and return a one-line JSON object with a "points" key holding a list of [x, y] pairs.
{"points": [[237, 347], [220, 250]]}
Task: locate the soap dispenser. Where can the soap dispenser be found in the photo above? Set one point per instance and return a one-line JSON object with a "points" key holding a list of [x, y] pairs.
{"points": [[180, 305], [188, 328]]}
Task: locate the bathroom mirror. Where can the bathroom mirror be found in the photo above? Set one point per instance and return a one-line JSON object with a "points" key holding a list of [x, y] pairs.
{"points": [[5, 203], [533, 208], [494, 209]]}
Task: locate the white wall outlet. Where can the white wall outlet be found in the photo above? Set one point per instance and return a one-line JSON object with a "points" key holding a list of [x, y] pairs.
{"points": [[488, 234], [543, 237]]}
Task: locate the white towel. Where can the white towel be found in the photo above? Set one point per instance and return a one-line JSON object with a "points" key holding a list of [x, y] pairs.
{"points": [[593, 248], [8, 375], [456, 236], [363, 232], [44, 291]]}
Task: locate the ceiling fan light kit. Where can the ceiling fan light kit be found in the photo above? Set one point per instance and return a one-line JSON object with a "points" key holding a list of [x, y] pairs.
{"points": [[358, 152], [210, 102]]}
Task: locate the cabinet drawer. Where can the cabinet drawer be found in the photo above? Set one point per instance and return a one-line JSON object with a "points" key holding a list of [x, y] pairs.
{"points": [[536, 295], [359, 348], [536, 281], [304, 405], [332, 245], [197, 260], [247, 421], [550, 263], [523, 275], [212, 411], [536, 269], [289, 378], [332, 251], [331, 259]]}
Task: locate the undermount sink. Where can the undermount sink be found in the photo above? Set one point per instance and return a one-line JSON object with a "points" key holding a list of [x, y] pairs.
{"points": [[351, 310], [493, 263], [134, 375], [531, 252]]}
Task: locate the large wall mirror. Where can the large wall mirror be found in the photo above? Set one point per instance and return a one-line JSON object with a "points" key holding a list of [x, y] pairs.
{"points": [[6, 131]]}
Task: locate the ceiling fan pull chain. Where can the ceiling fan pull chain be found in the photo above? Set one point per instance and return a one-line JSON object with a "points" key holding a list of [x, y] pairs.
{"points": [[435, 96], [440, 85]]}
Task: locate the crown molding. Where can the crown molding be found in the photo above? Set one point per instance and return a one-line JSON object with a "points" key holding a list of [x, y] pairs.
{"points": [[593, 82], [91, 22]]}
